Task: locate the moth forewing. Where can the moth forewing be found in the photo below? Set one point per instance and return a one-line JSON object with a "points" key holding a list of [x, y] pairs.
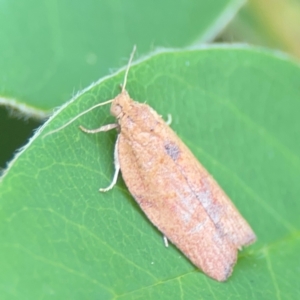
{"points": [[178, 195]]}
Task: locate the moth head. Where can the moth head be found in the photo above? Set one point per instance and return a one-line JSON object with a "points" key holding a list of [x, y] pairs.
{"points": [[120, 105]]}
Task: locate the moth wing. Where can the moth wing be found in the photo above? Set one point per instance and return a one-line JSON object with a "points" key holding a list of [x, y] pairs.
{"points": [[161, 187], [216, 203]]}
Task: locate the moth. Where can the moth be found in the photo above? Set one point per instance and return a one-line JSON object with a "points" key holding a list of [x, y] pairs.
{"points": [[173, 189]]}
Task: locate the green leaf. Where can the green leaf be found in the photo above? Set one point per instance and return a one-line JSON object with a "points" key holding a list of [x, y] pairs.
{"points": [[236, 108], [51, 49]]}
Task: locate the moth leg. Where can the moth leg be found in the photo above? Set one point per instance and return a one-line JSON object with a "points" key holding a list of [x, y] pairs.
{"points": [[169, 120], [166, 242], [102, 128], [117, 169]]}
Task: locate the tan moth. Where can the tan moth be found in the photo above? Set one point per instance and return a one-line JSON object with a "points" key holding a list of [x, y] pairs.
{"points": [[173, 189]]}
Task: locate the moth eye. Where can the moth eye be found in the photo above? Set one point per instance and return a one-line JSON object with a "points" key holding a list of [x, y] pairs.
{"points": [[116, 110]]}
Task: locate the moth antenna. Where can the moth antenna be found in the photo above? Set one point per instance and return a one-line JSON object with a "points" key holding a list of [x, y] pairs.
{"points": [[99, 104], [128, 67], [78, 116]]}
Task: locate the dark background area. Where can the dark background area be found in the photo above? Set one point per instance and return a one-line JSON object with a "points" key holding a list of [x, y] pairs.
{"points": [[14, 134]]}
